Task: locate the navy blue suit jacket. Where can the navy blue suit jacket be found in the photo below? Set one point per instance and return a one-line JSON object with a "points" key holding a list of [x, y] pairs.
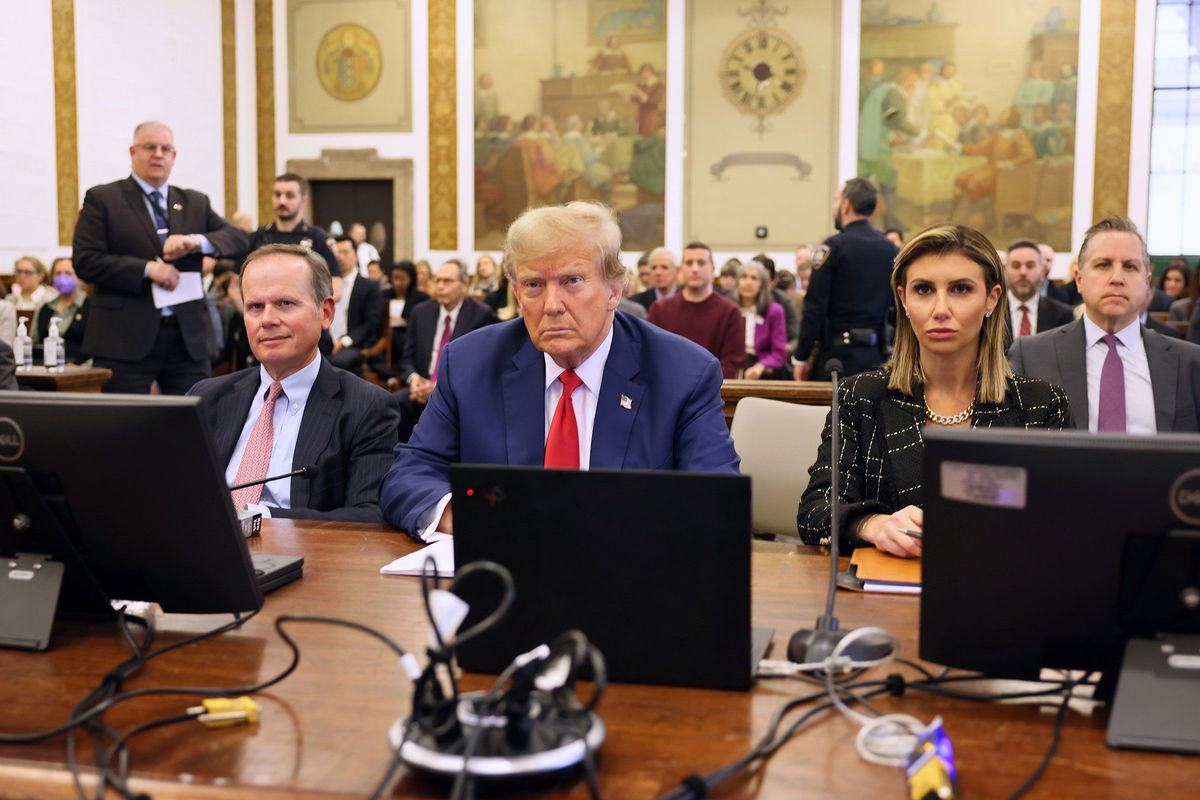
{"points": [[348, 431], [489, 408]]}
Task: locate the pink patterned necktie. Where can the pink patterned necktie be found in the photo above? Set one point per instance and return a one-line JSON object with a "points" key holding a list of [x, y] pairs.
{"points": [[1112, 390], [257, 455], [1026, 327], [441, 346]]}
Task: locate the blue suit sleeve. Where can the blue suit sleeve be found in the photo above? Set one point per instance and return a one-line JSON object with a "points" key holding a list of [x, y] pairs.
{"points": [[702, 441], [420, 472]]}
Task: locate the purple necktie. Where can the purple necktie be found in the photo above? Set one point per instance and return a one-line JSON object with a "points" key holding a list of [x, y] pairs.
{"points": [[1112, 390]]}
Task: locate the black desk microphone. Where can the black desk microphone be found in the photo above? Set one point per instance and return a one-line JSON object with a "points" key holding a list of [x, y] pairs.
{"points": [[304, 472], [808, 646]]}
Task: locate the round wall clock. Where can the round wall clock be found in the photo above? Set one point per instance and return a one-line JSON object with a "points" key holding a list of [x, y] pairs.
{"points": [[761, 71]]}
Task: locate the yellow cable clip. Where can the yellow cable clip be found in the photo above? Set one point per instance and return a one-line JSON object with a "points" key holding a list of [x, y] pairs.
{"points": [[221, 712]]}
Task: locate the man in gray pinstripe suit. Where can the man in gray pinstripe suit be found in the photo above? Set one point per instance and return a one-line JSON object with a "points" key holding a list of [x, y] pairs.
{"points": [[296, 406]]}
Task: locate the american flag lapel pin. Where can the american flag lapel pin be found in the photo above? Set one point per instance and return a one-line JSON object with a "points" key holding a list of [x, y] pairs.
{"points": [[626, 402], [177, 206]]}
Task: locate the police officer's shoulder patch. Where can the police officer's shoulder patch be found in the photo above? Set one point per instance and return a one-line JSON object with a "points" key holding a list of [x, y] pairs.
{"points": [[820, 256]]}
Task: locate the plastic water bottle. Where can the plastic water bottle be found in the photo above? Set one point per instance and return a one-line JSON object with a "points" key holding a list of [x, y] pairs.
{"points": [[52, 348], [23, 347]]}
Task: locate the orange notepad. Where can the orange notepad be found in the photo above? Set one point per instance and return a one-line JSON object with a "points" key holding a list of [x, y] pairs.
{"points": [[875, 571]]}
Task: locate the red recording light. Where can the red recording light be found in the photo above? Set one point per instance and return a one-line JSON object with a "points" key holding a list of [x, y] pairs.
{"points": [[470, 492]]}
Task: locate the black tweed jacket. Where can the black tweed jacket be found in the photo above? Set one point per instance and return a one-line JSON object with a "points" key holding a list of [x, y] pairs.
{"points": [[882, 446]]}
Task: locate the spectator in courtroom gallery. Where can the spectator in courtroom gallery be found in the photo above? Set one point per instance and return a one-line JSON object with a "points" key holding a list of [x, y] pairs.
{"points": [[400, 296], [31, 284], [242, 221], [424, 276], [433, 325], [895, 236], [1119, 375], [1066, 293], [295, 408], [698, 313], [848, 300], [765, 328], [356, 313], [790, 315], [141, 233], [1176, 280], [643, 273], [627, 305], [364, 251], [1029, 311], [948, 369], [1185, 308], [727, 280], [70, 306], [573, 384], [487, 276], [664, 278]]}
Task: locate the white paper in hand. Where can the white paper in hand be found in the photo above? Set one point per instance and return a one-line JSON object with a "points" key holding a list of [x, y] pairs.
{"points": [[189, 288]]}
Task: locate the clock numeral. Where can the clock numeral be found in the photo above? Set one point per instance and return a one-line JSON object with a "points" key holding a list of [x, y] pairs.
{"points": [[778, 44], [736, 87], [791, 71], [787, 86], [789, 56], [745, 98], [762, 43], [732, 73], [747, 46], [762, 102]]}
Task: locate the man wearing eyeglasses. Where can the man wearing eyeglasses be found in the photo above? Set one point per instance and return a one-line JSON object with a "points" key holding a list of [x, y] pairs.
{"points": [[140, 241]]}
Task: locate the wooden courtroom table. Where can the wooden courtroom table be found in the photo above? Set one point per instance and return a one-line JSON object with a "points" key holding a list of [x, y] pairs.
{"points": [[323, 729], [807, 393], [71, 378]]}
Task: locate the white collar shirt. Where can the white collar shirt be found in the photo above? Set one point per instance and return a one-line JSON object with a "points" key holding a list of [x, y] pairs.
{"points": [[1139, 392], [341, 309], [289, 412], [585, 398], [1014, 310]]}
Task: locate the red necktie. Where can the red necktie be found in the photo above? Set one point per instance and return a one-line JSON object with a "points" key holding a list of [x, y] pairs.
{"points": [[1026, 328], [562, 445], [257, 455], [441, 346]]}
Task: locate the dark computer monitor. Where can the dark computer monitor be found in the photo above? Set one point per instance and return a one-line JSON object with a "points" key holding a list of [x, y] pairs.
{"points": [[121, 494], [1052, 549]]}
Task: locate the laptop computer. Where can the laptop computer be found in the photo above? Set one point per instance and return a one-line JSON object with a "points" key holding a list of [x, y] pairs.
{"points": [[652, 566]]}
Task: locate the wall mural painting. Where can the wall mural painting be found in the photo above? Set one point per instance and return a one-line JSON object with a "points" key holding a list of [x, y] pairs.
{"points": [[970, 123], [579, 115]]}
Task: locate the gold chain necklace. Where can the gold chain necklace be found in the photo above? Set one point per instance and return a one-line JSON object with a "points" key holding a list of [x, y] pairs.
{"points": [[942, 419]]}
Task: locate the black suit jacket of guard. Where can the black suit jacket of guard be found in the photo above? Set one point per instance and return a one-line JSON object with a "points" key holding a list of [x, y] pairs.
{"points": [[348, 431], [364, 313], [114, 238], [422, 325]]}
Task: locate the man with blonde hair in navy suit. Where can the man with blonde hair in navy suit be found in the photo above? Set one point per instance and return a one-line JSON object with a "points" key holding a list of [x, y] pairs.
{"points": [[573, 384]]}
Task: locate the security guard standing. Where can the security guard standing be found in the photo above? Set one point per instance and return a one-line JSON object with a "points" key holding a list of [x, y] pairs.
{"points": [[288, 198], [849, 294]]}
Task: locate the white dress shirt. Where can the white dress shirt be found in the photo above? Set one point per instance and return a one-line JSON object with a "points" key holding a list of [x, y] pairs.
{"points": [[443, 315], [1014, 310], [341, 310], [366, 254], [584, 401], [1139, 392], [289, 412]]}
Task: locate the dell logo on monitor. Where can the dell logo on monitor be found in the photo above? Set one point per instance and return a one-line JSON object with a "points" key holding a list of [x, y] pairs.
{"points": [[12, 440], [1185, 497]]}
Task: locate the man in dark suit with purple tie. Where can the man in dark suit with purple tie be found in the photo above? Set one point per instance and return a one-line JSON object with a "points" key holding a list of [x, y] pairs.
{"points": [[432, 325], [136, 234]]}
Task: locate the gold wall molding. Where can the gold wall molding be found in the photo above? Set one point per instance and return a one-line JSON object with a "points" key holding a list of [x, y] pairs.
{"points": [[443, 127], [1114, 109], [229, 102], [264, 84], [66, 142]]}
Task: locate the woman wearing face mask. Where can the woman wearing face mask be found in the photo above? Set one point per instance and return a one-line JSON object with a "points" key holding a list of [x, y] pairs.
{"points": [[70, 306]]}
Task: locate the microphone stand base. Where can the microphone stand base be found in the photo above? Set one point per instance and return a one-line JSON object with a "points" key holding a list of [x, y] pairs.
{"points": [[809, 646]]}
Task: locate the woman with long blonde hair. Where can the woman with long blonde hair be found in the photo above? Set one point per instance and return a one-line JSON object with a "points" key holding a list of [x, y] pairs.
{"points": [[948, 369]]}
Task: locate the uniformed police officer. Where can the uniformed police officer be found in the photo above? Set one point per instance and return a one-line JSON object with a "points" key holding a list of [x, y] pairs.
{"points": [[849, 293], [288, 198]]}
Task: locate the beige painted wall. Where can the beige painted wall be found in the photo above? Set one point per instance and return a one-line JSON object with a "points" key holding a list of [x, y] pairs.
{"points": [[725, 213]]}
